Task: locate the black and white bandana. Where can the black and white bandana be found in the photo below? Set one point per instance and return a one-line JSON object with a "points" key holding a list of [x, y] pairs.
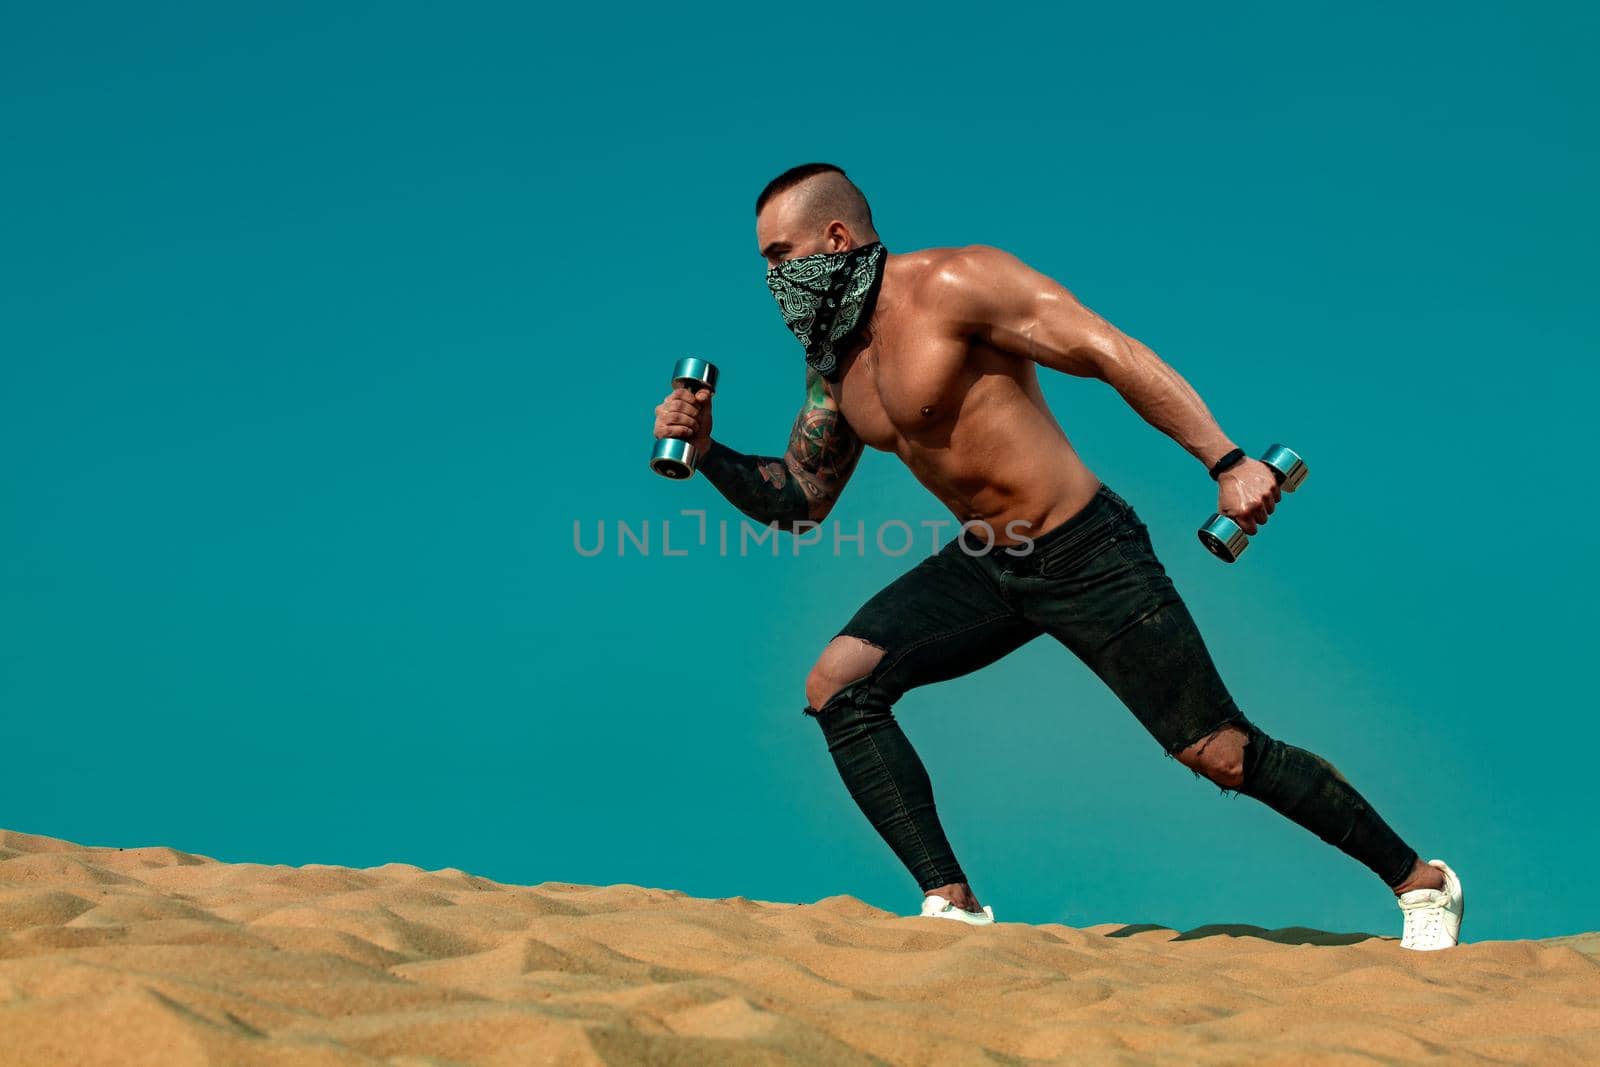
{"points": [[826, 297]]}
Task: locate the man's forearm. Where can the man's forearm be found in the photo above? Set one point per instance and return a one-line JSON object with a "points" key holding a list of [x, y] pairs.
{"points": [[1165, 400], [759, 486]]}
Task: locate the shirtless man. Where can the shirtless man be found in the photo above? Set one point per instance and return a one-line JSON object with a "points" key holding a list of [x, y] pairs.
{"points": [[931, 355]]}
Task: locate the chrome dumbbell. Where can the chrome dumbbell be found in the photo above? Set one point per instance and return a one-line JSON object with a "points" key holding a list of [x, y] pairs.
{"points": [[1222, 536], [673, 457]]}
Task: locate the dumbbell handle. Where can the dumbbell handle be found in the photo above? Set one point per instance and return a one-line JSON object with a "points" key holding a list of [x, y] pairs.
{"points": [[1223, 537], [674, 457]]}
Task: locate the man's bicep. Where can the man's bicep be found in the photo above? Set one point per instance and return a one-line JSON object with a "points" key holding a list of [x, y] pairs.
{"points": [[823, 449]]}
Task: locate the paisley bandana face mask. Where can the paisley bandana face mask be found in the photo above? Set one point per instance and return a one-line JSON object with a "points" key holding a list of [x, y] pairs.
{"points": [[826, 297]]}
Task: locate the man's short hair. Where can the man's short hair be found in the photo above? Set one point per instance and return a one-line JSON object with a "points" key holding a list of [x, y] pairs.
{"points": [[839, 198]]}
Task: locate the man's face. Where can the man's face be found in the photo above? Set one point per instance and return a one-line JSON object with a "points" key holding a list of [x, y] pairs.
{"points": [[782, 235]]}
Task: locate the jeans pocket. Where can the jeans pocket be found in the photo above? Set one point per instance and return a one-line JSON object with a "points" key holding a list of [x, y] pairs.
{"points": [[1065, 557]]}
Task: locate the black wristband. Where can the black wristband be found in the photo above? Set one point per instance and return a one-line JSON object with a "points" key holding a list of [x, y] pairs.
{"points": [[1225, 462]]}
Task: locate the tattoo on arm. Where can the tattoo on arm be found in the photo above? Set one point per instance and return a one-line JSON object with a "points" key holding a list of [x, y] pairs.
{"points": [[823, 450], [756, 485], [805, 481]]}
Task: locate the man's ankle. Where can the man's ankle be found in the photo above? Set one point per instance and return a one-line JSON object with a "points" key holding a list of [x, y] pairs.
{"points": [[958, 893], [1422, 876]]}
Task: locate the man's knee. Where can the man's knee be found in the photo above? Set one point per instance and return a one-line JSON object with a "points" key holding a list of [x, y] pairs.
{"points": [[1220, 756], [845, 660]]}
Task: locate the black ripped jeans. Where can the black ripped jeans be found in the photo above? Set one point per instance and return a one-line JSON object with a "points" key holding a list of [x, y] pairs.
{"points": [[1094, 584]]}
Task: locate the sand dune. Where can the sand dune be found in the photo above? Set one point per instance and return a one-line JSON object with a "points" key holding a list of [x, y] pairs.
{"points": [[153, 956]]}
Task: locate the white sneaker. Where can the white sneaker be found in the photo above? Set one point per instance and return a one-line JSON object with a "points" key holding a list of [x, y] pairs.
{"points": [[1433, 916], [936, 907]]}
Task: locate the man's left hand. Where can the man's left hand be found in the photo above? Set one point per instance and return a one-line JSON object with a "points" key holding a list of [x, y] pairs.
{"points": [[1247, 492]]}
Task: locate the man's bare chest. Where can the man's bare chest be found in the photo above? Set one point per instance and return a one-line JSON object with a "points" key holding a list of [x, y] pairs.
{"points": [[900, 387]]}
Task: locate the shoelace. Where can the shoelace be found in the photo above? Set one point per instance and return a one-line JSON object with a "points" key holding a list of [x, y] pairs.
{"points": [[1423, 923], [1429, 922]]}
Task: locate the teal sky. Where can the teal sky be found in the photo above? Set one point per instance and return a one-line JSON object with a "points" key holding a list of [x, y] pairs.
{"points": [[321, 325]]}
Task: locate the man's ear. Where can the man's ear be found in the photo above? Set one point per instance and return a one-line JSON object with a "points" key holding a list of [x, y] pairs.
{"points": [[837, 237]]}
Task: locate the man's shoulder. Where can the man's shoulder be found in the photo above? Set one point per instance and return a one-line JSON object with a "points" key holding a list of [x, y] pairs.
{"points": [[942, 275], [951, 259], [953, 265]]}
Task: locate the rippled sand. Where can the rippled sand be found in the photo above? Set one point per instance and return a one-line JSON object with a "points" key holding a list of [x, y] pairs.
{"points": [[153, 956]]}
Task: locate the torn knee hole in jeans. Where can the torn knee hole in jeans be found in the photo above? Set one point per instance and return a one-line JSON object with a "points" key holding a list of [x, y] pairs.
{"points": [[832, 700], [845, 690], [1195, 751], [868, 671]]}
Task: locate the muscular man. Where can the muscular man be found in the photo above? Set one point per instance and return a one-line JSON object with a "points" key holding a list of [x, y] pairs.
{"points": [[932, 355]]}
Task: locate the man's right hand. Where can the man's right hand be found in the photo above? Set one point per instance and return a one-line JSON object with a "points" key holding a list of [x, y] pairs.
{"points": [[687, 414], [1247, 492]]}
